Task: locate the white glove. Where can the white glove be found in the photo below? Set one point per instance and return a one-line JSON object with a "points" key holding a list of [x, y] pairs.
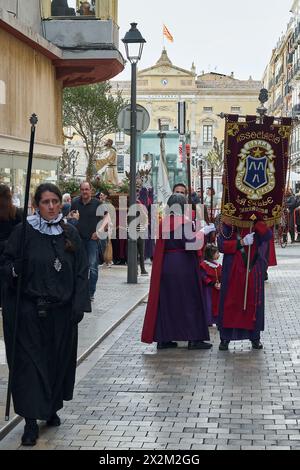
{"points": [[208, 229], [248, 240]]}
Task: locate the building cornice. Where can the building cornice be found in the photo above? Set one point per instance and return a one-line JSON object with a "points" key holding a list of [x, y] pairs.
{"points": [[21, 146], [28, 36]]}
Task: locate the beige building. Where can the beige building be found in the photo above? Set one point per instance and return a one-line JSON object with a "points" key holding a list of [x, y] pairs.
{"points": [[163, 85], [43, 51], [282, 80]]}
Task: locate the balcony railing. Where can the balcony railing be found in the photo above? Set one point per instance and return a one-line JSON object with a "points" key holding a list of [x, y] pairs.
{"points": [[296, 110], [99, 9], [294, 71], [287, 89], [290, 58], [278, 102], [271, 83]]}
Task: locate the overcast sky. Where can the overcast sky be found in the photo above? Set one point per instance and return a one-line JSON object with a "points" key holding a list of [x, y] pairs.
{"points": [[218, 35]]}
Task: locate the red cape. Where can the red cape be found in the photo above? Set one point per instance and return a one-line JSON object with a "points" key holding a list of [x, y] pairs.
{"points": [[213, 275], [272, 252]]}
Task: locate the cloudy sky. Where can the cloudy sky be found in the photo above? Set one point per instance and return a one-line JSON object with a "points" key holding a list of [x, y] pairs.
{"points": [[218, 35]]}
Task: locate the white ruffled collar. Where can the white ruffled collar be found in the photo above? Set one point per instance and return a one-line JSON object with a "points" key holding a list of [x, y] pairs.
{"points": [[212, 264], [47, 227]]}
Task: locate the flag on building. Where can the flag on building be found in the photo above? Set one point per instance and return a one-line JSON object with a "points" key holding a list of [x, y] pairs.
{"points": [[167, 34]]}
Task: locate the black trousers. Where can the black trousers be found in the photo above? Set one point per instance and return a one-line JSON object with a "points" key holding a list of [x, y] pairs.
{"points": [[141, 253]]}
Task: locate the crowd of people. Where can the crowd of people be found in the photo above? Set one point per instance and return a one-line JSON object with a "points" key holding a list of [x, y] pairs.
{"points": [[191, 291], [66, 240], [293, 222]]}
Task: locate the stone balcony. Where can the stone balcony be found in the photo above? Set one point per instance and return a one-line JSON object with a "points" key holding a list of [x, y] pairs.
{"points": [[89, 42]]}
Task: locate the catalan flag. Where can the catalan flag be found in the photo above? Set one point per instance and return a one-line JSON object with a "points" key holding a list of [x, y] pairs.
{"points": [[167, 34]]}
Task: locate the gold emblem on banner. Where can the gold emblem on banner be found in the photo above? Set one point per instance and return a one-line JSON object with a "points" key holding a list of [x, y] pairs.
{"points": [[256, 171], [285, 132], [229, 209], [276, 212], [233, 129]]}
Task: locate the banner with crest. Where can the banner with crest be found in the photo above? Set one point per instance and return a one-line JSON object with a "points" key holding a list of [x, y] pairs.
{"points": [[255, 169]]}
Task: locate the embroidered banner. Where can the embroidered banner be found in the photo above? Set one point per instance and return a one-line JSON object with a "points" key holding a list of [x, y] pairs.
{"points": [[255, 167]]}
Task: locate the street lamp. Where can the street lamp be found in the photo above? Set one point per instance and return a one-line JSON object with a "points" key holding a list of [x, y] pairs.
{"points": [[134, 44]]}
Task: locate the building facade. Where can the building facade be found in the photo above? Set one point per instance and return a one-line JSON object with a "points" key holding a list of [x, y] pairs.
{"points": [[163, 85], [282, 80], [42, 51]]}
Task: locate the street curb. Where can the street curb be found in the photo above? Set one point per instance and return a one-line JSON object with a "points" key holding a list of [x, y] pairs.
{"points": [[10, 426], [109, 330], [17, 419]]}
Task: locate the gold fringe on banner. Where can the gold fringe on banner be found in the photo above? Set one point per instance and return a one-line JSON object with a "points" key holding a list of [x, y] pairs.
{"points": [[234, 124]]}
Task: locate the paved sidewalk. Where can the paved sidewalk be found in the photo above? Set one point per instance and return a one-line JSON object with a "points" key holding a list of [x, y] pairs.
{"points": [[130, 396], [114, 299]]}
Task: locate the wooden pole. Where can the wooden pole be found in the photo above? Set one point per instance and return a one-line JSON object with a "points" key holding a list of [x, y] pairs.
{"points": [[188, 167], [201, 182], [33, 122], [248, 272], [212, 196]]}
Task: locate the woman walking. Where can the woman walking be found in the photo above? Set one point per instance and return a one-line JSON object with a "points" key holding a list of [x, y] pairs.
{"points": [[54, 298]]}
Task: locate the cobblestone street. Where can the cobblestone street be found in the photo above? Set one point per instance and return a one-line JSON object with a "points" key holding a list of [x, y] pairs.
{"points": [[129, 396]]}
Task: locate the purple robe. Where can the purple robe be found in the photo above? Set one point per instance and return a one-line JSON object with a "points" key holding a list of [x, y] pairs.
{"points": [[181, 314]]}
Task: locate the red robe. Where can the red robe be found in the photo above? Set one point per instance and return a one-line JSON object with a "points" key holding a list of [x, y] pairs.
{"points": [[272, 252], [213, 275], [234, 315]]}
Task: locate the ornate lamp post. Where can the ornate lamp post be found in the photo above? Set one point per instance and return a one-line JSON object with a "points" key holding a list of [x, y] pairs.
{"points": [[134, 44]]}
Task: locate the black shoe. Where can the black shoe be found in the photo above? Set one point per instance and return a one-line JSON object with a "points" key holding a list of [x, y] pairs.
{"points": [[168, 345], [54, 420], [144, 273], [224, 345], [257, 344], [31, 433], [193, 345], [266, 277]]}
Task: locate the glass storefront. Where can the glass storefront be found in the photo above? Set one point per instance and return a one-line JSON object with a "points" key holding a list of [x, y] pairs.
{"points": [[16, 180]]}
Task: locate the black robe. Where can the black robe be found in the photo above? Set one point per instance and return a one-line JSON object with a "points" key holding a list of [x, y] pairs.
{"points": [[46, 347], [6, 228]]}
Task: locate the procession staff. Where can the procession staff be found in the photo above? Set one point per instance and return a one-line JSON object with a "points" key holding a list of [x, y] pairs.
{"points": [[53, 299], [33, 121], [236, 323]]}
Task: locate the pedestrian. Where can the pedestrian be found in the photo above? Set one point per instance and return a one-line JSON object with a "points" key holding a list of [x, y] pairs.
{"points": [[66, 207], [53, 301], [175, 310], [297, 217], [10, 216], [211, 276], [89, 218], [292, 204], [142, 233], [180, 188], [235, 323], [15, 198]]}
